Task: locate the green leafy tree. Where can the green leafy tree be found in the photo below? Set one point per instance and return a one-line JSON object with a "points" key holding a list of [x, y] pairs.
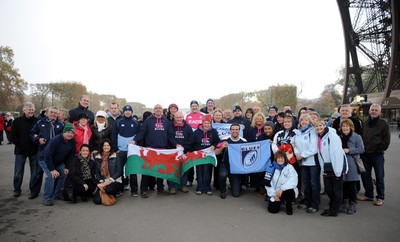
{"points": [[12, 86]]}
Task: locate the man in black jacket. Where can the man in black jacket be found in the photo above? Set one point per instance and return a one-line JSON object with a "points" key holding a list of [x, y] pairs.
{"points": [[24, 146], [83, 107], [376, 137], [345, 112]]}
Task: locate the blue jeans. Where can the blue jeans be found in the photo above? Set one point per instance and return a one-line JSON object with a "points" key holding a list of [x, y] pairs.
{"points": [[203, 178], [49, 182], [234, 179], [312, 186], [19, 169], [376, 161]]}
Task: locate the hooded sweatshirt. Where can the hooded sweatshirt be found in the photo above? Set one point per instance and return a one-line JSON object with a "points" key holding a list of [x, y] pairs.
{"points": [[156, 132]]}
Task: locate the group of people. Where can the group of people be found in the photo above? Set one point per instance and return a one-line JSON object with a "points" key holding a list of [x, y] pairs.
{"points": [[86, 153], [6, 120]]}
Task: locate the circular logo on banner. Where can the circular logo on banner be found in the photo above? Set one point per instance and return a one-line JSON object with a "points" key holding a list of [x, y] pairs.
{"points": [[250, 158]]}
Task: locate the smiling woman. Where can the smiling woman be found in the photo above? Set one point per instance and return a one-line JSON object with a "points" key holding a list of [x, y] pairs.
{"points": [[161, 43]]}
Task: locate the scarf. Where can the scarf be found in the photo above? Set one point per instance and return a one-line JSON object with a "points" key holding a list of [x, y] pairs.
{"points": [[100, 126], [304, 129], [85, 134], [104, 165], [345, 140], [51, 122], [271, 167], [85, 168]]}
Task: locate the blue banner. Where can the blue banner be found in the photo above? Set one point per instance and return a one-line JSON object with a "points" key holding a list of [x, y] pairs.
{"points": [[249, 157], [224, 131]]}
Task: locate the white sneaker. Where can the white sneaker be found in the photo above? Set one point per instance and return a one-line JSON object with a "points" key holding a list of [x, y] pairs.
{"points": [[126, 187]]}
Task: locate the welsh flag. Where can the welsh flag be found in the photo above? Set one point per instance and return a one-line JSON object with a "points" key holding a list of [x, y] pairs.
{"points": [[166, 164], [200, 157], [162, 163]]}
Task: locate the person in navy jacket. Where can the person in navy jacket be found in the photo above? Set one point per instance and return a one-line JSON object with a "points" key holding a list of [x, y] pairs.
{"points": [[155, 130], [53, 159], [44, 130], [204, 137]]}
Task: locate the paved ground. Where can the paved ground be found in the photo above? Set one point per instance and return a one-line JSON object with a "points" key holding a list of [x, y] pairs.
{"points": [[187, 217]]}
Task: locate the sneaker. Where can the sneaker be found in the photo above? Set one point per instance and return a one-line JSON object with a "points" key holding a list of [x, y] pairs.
{"points": [[312, 210], [135, 194], [302, 206], [172, 191], [352, 209], [185, 189], [378, 202], [144, 195], [209, 193], [126, 187], [48, 203], [223, 195], [364, 198], [198, 192], [17, 194], [163, 192], [119, 194], [188, 184], [243, 187]]}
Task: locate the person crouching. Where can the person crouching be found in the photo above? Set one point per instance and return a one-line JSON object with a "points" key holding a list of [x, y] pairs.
{"points": [[283, 185]]}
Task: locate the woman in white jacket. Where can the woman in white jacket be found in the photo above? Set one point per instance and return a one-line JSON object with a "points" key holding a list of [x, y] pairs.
{"points": [[306, 147], [333, 165], [283, 184]]}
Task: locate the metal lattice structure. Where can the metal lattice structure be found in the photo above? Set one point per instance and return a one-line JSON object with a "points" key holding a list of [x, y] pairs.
{"points": [[371, 31]]}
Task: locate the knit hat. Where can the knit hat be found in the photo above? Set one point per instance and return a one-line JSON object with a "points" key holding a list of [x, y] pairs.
{"points": [[207, 117], [194, 102], [101, 113], [68, 128], [236, 107], [173, 105], [83, 115], [273, 107], [127, 108], [210, 99], [269, 123]]}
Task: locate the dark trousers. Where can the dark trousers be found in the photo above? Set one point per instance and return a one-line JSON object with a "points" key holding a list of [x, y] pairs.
{"points": [[37, 178], [312, 185], [111, 189], [203, 178], [350, 191], [19, 168], [191, 174], [288, 196], [376, 161], [79, 190], [224, 173], [334, 190], [146, 180], [122, 157]]}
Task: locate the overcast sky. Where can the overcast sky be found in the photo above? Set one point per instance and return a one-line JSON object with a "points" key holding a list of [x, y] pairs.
{"points": [[161, 51]]}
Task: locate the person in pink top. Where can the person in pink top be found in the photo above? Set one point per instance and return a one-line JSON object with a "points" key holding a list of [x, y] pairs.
{"points": [[194, 118]]}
